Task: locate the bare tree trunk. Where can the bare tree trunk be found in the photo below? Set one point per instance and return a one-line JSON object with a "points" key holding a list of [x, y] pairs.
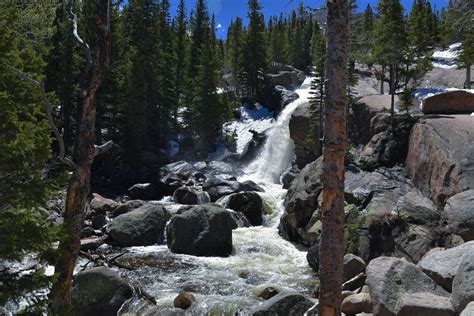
{"points": [[392, 91], [382, 79], [467, 84], [84, 153], [332, 244]]}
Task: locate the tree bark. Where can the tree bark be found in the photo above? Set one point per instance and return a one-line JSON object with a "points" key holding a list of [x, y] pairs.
{"points": [[332, 243], [84, 153], [467, 84], [392, 91], [382, 79]]}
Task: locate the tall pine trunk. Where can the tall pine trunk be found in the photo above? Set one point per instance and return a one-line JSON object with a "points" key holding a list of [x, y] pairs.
{"points": [[467, 84], [332, 244], [382, 80], [392, 91], [84, 153]]}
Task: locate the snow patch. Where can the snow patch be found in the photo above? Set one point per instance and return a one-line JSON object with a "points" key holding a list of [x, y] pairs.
{"points": [[449, 54]]}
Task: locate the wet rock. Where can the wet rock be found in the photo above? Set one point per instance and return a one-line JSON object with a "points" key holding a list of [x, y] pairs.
{"points": [[268, 293], [442, 264], [248, 203], [301, 202], [191, 196], [356, 304], [182, 168], [99, 291], [240, 219], [459, 210], [218, 188], [126, 207], [87, 232], [219, 168], [463, 283], [141, 227], [102, 205], [145, 191], [469, 310], [203, 230], [289, 175], [398, 287], [438, 160], [300, 126], [285, 303], [249, 185], [184, 300], [451, 102], [313, 257], [99, 221], [353, 265], [277, 97], [252, 149]]}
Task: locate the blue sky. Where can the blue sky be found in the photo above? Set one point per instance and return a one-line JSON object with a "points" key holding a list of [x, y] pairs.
{"points": [[225, 10]]}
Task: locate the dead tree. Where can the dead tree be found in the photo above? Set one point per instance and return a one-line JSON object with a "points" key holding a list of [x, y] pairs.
{"points": [[84, 153], [332, 244]]}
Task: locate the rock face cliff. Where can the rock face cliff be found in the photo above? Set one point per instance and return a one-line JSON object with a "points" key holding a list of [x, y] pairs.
{"points": [[440, 158]]}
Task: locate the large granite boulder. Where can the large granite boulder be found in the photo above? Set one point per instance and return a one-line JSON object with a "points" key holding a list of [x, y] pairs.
{"points": [[217, 188], [99, 291], [286, 303], [102, 205], [300, 126], [439, 161], [301, 202], [202, 230], [450, 102], [276, 98], [191, 196], [143, 226], [442, 264], [248, 203], [459, 212], [398, 287], [463, 283]]}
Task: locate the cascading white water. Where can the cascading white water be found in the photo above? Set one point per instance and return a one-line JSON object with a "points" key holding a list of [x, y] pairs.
{"points": [[261, 258], [278, 153]]}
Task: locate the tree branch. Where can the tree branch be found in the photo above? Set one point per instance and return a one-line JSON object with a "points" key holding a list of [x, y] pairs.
{"points": [[103, 148], [85, 47], [48, 109]]}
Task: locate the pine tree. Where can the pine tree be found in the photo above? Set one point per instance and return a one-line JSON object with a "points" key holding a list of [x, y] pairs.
{"points": [[235, 40], [182, 57], [466, 57], [254, 59], [389, 41], [25, 148]]}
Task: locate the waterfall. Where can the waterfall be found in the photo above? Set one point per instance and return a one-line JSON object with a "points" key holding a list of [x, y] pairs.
{"points": [[277, 153]]}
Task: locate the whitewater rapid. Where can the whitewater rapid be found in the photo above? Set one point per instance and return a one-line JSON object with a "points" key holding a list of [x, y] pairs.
{"points": [[261, 258]]}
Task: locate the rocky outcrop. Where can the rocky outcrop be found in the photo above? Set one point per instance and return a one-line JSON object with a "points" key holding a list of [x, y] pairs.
{"points": [[285, 303], [463, 283], [217, 188], [203, 230], [248, 203], [459, 212], [439, 161], [385, 215], [398, 287], [301, 202], [451, 102], [276, 98], [300, 126], [442, 264], [191, 196], [99, 291], [141, 227], [286, 76], [102, 205]]}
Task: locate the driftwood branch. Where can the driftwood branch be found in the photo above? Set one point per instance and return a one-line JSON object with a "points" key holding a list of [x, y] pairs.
{"points": [[85, 47], [103, 148], [48, 109]]}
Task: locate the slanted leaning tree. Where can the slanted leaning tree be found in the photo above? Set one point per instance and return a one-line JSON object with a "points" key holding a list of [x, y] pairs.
{"points": [[84, 153], [332, 244]]}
